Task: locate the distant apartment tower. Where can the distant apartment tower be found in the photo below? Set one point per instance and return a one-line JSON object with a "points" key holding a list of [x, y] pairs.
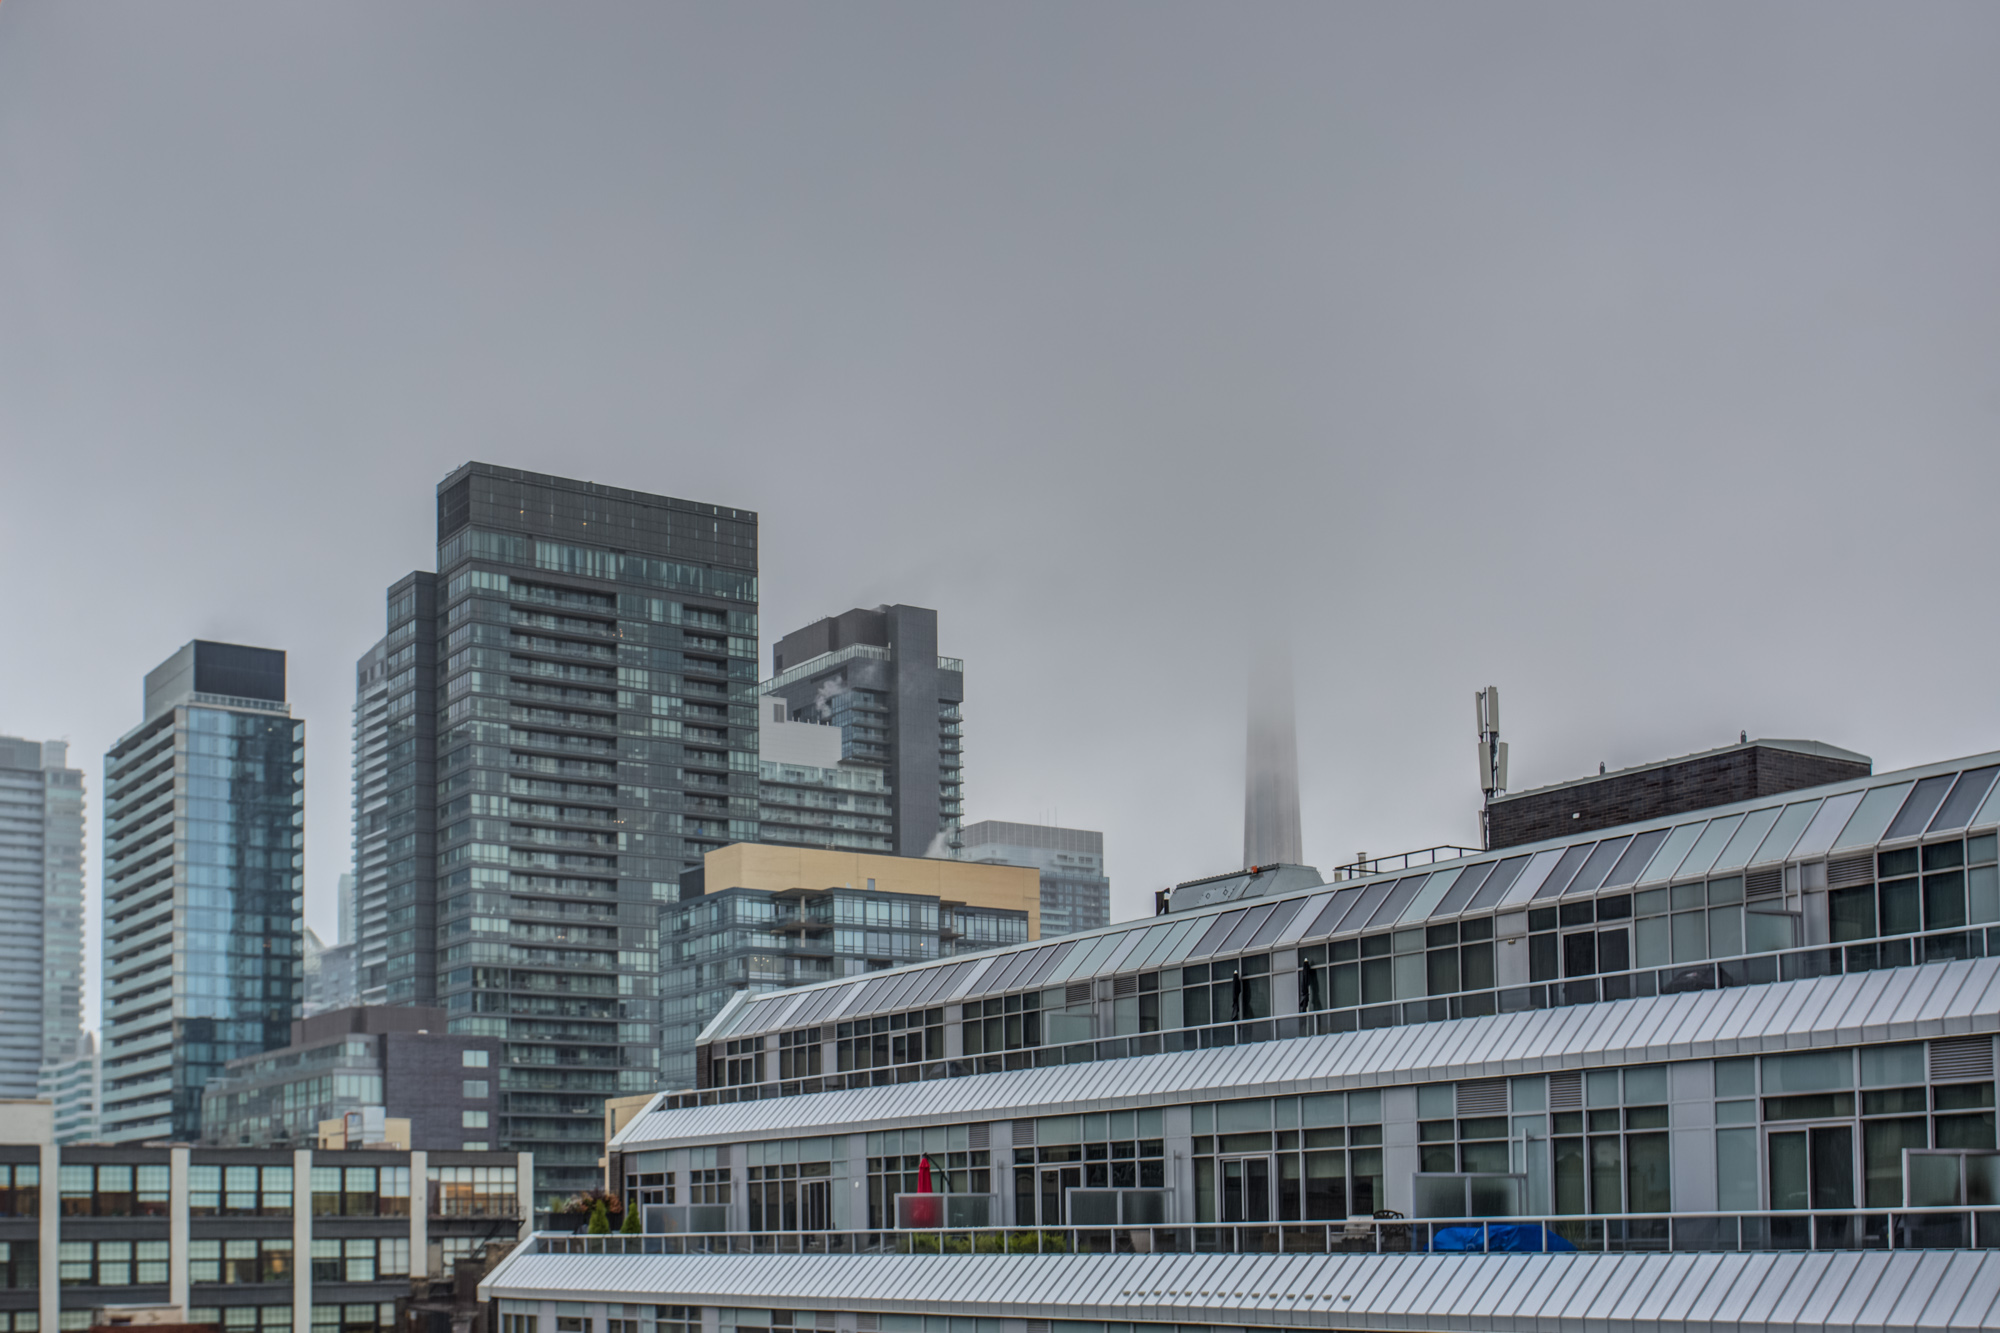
{"points": [[41, 911], [75, 1087], [809, 796], [877, 676], [557, 723], [1075, 893], [329, 976], [402, 666], [204, 819]]}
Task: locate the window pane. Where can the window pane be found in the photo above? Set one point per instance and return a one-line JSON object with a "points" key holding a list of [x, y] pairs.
{"points": [[1922, 804], [1790, 825], [1808, 1071], [1789, 1179], [1852, 913], [1877, 808], [1959, 807], [1690, 936], [1679, 842], [1756, 825], [1713, 840], [1882, 1144]]}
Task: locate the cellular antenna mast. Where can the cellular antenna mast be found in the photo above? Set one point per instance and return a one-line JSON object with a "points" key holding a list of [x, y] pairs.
{"points": [[1492, 754]]}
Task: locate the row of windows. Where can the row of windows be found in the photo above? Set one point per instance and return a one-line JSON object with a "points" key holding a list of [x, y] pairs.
{"points": [[360, 1191], [1945, 886], [792, 1197], [888, 1040], [359, 1259], [240, 1261], [111, 1263]]}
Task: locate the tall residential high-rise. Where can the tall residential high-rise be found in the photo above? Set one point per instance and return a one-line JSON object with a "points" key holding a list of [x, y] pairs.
{"points": [[1075, 893], [41, 911], [1271, 766], [878, 677], [395, 717], [808, 796], [559, 721], [204, 849]]}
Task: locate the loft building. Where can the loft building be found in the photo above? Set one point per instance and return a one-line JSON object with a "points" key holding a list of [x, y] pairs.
{"points": [[557, 723], [41, 911], [204, 815], [1728, 1067], [232, 1239], [877, 677], [385, 1063], [1076, 894], [757, 918]]}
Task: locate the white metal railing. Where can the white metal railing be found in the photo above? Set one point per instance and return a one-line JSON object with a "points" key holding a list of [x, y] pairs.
{"points": [[1631, 1233]]}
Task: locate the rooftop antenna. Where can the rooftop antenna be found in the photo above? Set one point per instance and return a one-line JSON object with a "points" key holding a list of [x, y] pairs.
{"points": [[1492, 754]]}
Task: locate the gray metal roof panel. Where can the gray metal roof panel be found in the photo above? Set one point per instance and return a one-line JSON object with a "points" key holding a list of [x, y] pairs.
{"points": [[1839, 1287], [1941, 1301], [1981, 1300], [1677, 1287], [1621, 1285], [1914, 1291]]}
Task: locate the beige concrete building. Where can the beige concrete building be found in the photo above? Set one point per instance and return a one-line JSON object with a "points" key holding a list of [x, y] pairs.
{"points": [[750, 865], [758, 917]]}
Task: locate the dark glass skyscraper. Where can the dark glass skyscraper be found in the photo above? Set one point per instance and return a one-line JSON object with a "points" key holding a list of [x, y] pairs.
{"points": [[559, 722], [204, 849]]}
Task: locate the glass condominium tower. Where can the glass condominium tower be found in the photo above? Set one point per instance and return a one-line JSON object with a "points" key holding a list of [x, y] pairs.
{"points": [[41, 911], [204, 849], [558, 722]]}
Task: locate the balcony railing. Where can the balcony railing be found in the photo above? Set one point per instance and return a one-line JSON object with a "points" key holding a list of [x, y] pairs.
{"points": [[1632, 1233], [1377, 865]]}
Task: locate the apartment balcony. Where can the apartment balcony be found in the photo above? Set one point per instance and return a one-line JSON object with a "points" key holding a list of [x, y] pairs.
{"points": [[128, 1009]]}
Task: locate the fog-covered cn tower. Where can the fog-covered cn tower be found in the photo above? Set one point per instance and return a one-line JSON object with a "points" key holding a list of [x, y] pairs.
{"points": [[1271, 764]]}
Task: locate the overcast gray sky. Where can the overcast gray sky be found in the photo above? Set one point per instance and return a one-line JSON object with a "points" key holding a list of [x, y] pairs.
{"points": [[1638, 359]]}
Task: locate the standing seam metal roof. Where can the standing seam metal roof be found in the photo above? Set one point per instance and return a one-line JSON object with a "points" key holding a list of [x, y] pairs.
{"points": [[1552, 1293], [1902, 1004]]}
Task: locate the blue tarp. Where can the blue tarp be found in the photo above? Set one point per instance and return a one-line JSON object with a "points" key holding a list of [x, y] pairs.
{"points": [[1508, 1238]]}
